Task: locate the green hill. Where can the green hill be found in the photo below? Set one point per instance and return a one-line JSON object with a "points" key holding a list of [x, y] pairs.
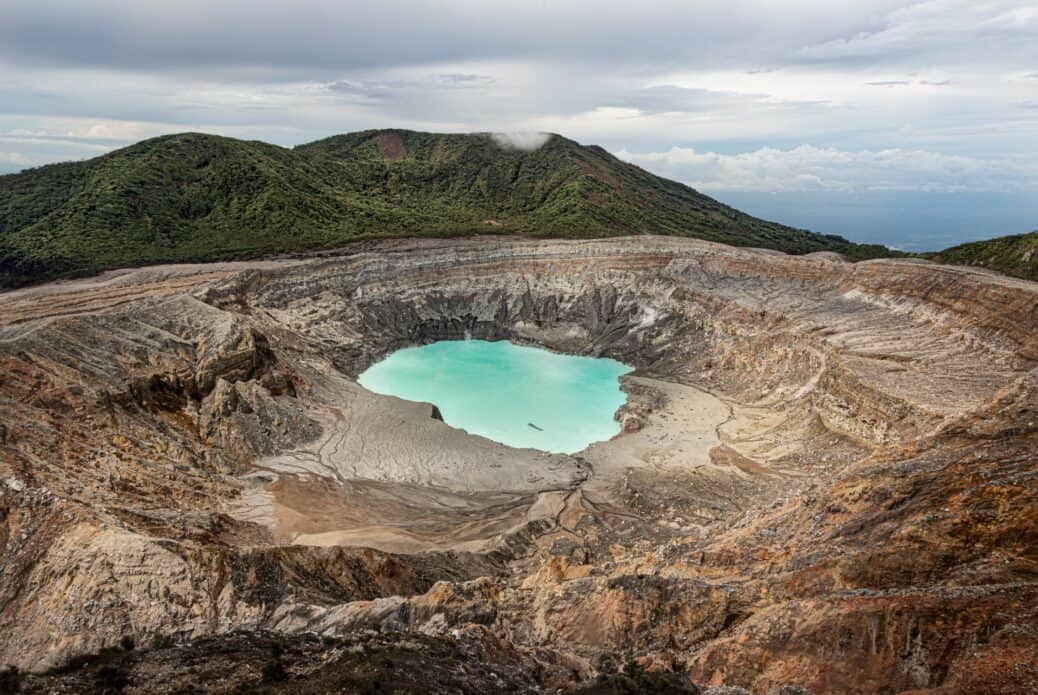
{"points": [[1015, 255], [194, 197]]}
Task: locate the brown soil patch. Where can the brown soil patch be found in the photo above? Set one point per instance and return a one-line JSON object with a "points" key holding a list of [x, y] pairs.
{"points": [[390, 145], [726, 456]]}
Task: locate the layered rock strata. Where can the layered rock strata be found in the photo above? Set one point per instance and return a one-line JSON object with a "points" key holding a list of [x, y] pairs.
{"points": [[825, 477]]}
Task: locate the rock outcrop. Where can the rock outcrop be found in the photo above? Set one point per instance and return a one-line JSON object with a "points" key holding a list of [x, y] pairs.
{"points": [[825, 480]]}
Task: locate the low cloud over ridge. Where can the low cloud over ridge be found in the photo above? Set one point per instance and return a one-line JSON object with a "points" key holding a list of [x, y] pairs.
{"points": [[526, 141]]}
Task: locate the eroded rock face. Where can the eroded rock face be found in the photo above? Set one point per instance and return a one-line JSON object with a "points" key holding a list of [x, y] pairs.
{"points": [[825, 479]]}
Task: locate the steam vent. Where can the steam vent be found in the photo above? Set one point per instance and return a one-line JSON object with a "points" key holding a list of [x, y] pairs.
{"points": [[823, 478]]}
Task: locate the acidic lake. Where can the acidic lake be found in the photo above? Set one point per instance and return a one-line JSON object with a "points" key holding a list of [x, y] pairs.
{"points": [[519, 396]]}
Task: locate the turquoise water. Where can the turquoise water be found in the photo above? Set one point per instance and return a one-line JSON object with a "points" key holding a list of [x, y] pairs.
{"points": [[498, 390]]}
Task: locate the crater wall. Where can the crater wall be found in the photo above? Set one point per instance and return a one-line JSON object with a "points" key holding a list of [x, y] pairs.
{"points": [[184, 453]]}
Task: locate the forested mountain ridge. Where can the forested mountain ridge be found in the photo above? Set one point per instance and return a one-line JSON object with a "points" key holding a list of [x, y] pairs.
{"points": [[197, 197], [1015, 255]]}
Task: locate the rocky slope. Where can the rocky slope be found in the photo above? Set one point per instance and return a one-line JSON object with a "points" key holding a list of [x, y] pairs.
{"points": [[825, 481]]}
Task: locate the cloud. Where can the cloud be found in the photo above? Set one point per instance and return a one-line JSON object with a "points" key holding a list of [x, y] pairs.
{"points": [[53, 141], [322, 36], [463, 80], [527, 142], [15, 158], [672, 98], [959, 31], [110, 131], [56, 139], [25, 133], [93, 133], [905, 83], [807, 168], [389, 88]]}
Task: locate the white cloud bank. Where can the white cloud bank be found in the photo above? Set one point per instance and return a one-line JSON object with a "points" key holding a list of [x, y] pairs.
{"points": [[15, 158], [526, 141], [808, 168]]}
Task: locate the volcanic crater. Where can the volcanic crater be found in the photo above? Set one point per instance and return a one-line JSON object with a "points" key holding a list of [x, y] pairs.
{"points": [[825, 477]]}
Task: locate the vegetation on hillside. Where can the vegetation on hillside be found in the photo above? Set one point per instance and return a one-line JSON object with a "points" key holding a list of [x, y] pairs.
{"points": [[1015, 255], [195, 197]]}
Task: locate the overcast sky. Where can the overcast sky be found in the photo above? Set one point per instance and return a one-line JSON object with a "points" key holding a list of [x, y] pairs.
{"points": [[910, 123]]}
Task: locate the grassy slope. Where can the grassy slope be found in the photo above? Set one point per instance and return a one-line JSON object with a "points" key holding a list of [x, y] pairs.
{"points": [[1015, 255], [194, 197]]}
